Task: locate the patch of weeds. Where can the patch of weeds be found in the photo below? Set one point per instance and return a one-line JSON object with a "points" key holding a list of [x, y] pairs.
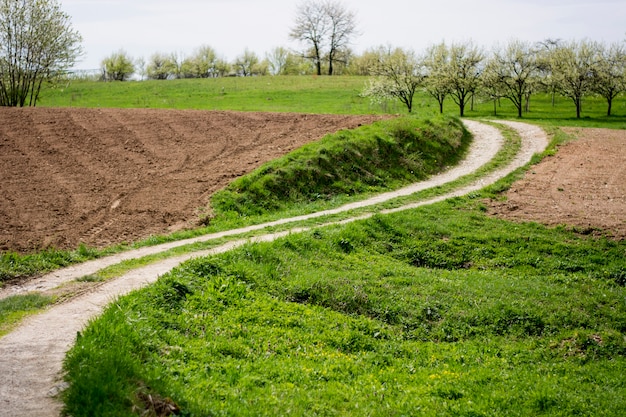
{"points": [[14, 308], [91, 278]]}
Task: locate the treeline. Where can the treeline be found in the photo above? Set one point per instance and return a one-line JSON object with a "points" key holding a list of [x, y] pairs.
{"points": [[514, 71], [459, 71], [205, 62]]}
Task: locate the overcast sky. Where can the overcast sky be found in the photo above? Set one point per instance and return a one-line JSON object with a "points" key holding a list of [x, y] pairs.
{"points": [[143, 27]]}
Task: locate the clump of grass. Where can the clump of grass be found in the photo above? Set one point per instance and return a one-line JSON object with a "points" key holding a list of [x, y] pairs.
{"points": [[14, 308], [374, 158], [439, 309], [15, 265]]}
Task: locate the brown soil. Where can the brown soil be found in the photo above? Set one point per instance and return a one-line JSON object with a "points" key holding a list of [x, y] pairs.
{"points": [[583, 186], [104, 176]]}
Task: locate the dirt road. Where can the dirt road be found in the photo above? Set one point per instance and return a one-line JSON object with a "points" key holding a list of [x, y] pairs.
{"points": [[31, 356]]}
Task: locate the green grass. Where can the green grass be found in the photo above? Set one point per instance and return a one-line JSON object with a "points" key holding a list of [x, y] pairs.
{"points": [[338, 95], [14, 308], [435, 311], [381, 157], [15, 266]]}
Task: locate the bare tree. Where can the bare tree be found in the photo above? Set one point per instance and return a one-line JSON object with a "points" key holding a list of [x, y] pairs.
{"points": [[572, 66], [326, 27], [37, 43], [511, 73], [118, 66], [311, 27], [609, 74], [397, 75], [342, 24]]}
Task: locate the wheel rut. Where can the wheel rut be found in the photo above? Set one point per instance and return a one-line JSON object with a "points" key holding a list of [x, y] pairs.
{"points": [[31, 356]]}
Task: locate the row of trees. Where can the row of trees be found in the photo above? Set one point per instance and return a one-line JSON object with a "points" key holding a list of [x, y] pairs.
{"points": [[515, 71], [205, 63], [459, 71], [324, 27], [37, 43]]}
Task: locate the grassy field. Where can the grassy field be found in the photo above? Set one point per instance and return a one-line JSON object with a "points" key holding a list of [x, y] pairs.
{"points": [[436, 311], [340, 95]]}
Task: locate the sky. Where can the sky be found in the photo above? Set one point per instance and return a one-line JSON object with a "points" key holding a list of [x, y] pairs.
{"points": [[144, 27]]}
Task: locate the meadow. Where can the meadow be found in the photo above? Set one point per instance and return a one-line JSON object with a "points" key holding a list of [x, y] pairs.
{"points": [[309, 94], [440, 310]]}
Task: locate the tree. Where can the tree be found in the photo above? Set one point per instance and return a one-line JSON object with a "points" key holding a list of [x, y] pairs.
{"points": [[311, 27], [572, 67], [326, 27], [246, 63], [140, 67], [609, 75], [544, 52], [435, 62], [342, 25], [511, 73], [117, 67], [363, 64], [202, 64], [462, 73], [397, 75], [162, 67], [277, 59], [37, 43]]}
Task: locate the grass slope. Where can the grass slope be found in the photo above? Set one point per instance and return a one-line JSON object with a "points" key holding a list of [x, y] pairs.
{"points": [[380, 157], [436, 311]]}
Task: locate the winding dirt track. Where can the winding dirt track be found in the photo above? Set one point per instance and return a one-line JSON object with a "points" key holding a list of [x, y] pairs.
{"points": [[31, 356]]}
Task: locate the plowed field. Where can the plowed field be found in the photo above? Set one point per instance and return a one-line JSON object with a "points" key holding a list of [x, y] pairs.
{"points": [[104, 176], [582, 187]]}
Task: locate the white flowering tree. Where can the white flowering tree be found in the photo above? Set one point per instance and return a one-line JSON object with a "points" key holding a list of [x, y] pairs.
{"points": [[397, 75], [37, 43]]}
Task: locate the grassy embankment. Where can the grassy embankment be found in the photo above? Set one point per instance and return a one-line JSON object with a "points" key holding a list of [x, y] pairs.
{"points": [[435, 311], [373, 158]]}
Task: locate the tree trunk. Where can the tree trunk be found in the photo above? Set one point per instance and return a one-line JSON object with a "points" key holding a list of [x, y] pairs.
{"points": [[610, 102]]}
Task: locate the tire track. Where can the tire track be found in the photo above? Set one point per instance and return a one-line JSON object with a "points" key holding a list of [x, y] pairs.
{"points": [[31, 356]]}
